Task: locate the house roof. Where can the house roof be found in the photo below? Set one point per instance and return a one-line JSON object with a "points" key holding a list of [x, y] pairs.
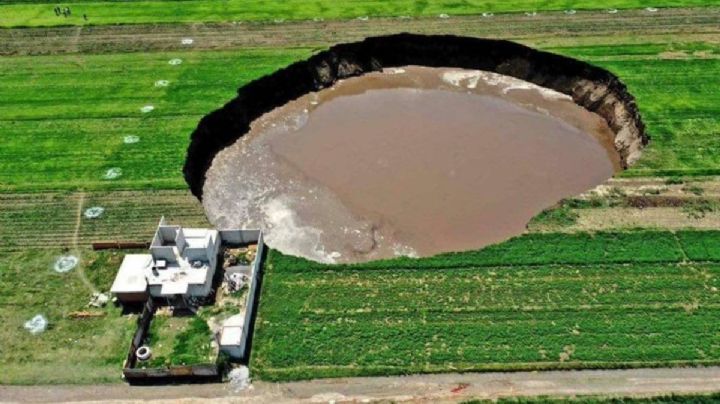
{"points": [[130, 277]]}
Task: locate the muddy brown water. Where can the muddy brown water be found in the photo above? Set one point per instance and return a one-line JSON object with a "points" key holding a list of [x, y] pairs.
{"points": [[412, 161]]}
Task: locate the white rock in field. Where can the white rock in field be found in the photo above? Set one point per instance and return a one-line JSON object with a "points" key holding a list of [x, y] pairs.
{"points": [[130, 139], [112, 173], [65, 263], [444, 16], [162, 83], [37, 324], [175, 61], [187, 41], [651, 9], [94, 212], [146, 109], [487, 15]]}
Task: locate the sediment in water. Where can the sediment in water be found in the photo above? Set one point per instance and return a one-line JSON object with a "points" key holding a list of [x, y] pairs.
{"points": [[411, 161]]}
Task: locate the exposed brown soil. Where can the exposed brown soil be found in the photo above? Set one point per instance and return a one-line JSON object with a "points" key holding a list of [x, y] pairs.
{"points": [[436, 388]]}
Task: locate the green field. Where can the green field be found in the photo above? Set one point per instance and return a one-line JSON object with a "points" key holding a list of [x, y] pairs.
{"points": [[65, 117], [34, 13], [565, 299], [592, 301], [71, 350]]}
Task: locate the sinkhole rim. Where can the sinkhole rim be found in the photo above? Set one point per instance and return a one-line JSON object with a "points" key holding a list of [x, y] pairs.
{"points": [[591, 87]]}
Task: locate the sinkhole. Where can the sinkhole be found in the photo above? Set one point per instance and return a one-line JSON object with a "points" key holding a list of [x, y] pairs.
{"points": [[410, 145]]}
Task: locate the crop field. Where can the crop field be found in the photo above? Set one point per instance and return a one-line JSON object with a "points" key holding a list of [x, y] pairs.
{"points": [[67, 118], [38, 13], [625, 280], [567, 309]]}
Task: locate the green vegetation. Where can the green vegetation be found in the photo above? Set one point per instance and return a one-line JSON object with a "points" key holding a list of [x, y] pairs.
{"points": [[554, 218], [606, 299], [48, 220], [74, 349], [532, 249], [64, 118], [179, 340], [699, 208], [676, 100], [609, 300], [31, 13]]}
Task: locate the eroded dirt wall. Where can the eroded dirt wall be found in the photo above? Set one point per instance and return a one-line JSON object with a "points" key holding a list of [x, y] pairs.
{"points": [[593, 88]]}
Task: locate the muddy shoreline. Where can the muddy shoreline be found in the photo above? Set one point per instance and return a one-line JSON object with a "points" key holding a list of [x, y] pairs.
{"points": [[591, 87]]}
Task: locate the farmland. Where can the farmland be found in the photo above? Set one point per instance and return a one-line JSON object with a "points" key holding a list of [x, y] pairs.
{"points": [[35, 13], [52, 143], [629, 280], [566, 309]]}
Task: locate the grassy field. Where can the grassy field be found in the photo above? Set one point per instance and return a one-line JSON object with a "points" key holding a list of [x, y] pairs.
{"points": [[594, 301], [615, 298], [65, 118], [35, 13], [179, 340], [73, 349]]}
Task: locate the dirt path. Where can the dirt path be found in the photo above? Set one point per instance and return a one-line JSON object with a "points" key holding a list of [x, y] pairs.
{"points": [[75, 244], [545, 29], [420, 388]]}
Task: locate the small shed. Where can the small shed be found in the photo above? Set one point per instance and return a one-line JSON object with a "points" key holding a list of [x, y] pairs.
{"points": [[231, 336], [130, 285]]}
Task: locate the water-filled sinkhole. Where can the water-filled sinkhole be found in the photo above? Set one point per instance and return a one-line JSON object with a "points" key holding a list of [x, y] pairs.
{"points": [[408, 161]]}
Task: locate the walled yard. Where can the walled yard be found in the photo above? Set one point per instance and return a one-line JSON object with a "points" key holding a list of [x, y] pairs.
{"points": [[627, 276]]}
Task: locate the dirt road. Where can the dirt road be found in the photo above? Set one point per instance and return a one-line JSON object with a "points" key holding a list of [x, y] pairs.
{"points": [[420, 388], [583, 28]]}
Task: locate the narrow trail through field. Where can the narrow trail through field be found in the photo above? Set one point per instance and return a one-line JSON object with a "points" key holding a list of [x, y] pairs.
{"points": [[450, 387], [75, 244]]}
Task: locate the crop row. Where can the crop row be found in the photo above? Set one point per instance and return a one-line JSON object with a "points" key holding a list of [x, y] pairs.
{"points": [[548, 248], [348, 323], [48, 220]]}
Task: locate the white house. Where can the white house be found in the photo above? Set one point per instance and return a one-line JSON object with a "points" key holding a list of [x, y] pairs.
{"points": [[181, 263]]}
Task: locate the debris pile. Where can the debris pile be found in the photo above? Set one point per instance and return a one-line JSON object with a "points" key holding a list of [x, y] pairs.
{"points": [[239, 378], [98, 300], [235, 281], [240, 256]]}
